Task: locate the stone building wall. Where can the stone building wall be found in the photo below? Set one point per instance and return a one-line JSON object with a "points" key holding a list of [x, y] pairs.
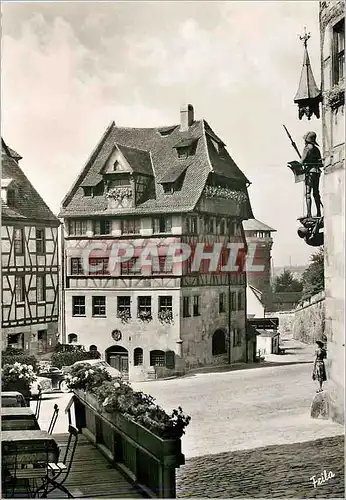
{"points": [[306, 322], [332, 13], [309, 320]]}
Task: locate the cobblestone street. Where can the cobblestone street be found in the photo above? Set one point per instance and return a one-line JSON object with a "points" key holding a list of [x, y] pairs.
{"points": [[275, 471]]}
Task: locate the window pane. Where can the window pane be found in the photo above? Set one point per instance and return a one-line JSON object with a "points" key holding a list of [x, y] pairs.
{"points": [[78, 306], [99, 306], [186, 307]]}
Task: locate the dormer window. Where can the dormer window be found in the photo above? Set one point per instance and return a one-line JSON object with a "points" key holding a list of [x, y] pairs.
{"points": [[168, 188], [166, 131], [11, 197], [183, 153], [186, 148], [88, 191], [99, 189]]}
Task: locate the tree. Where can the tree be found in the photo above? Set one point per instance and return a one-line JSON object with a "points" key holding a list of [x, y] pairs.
{"points": [[287, 283], [313, 276]]}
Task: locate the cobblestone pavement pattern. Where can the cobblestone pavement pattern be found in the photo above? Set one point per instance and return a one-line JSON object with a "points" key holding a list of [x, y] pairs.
{"points": [[275, 471]]}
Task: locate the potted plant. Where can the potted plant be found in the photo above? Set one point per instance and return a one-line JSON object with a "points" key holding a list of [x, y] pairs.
{"points": [[18, 377], [86, 378]]}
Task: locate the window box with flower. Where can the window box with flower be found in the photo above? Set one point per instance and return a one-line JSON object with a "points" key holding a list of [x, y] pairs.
{"points": [[145, 316], [165, 316], [119, 193], [335, 97], [124, 315], [224, 192]]}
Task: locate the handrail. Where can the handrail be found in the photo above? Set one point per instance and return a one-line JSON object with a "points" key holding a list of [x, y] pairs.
{"points": [[144, 458]]}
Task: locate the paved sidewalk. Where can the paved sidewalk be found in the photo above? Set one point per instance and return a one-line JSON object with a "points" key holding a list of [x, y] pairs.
{"points": [[275, 471]]}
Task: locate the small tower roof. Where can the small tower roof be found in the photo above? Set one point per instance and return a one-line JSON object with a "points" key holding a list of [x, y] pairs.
{"points": [[256, 225], [307, 86]]}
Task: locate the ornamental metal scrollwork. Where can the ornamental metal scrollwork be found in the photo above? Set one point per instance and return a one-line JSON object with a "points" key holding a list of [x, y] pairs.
{"points": [[116, 335]]}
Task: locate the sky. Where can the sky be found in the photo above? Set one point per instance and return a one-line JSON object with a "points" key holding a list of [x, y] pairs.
{"points": [[71, 68]]}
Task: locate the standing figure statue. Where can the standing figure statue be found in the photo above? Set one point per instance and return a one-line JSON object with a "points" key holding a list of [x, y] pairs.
{"points": [[311, 162]]}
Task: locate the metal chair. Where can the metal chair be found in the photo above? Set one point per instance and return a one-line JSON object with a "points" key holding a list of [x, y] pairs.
{"points": [[53, 419], [14, 472], [58, 472], [38, 404]]}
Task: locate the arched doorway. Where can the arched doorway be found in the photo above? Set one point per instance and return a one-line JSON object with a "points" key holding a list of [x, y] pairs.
{"points": [[218, 343], [118, 357]]}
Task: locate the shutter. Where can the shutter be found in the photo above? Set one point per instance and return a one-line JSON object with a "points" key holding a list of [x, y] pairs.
{"points": [[170, 360]]}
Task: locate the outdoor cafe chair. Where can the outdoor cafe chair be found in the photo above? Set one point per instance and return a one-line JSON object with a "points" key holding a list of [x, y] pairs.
{"points": [[14, 473], [59, 472], [38, 404], [53, 419]]}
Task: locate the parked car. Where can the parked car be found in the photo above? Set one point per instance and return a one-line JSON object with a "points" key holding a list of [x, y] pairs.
{"points": [[43, 383], [56, 376], [113, 372]]}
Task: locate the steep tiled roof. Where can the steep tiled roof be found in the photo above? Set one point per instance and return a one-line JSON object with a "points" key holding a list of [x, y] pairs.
{"points": [[138, 159], [14, 154], [173, 173], [256, 225], [136, 144], [28, 203]]}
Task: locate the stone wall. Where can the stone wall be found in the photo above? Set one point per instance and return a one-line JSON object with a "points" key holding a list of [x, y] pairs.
{"points": [[334, 212], [309, 320], [306, 323], [286, 321]]}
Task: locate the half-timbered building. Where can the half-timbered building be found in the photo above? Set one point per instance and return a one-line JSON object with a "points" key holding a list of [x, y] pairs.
{"points": [[29, 248], [156, 186]]}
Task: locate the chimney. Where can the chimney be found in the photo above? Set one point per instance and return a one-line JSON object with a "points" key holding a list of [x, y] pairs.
{"points": [[186, 117]]}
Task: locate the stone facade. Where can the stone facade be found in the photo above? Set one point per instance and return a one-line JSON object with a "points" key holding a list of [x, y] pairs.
{"points": [[309, 320], [332, 31]]}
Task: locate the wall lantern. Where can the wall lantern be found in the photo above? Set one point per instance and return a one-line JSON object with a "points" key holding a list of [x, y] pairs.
{"points": [[308, 96]]}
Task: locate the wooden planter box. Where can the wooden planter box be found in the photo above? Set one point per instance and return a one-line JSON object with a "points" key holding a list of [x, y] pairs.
{"points": [[155, 445]]}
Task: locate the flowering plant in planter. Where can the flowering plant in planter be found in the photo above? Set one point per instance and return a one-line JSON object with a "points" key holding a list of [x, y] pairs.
{"points": [[17, 374], [145, 316], [124, 315], [85, 377], [118, 396], [222, 192], [335, 96], [119, 193], [165, 316]]}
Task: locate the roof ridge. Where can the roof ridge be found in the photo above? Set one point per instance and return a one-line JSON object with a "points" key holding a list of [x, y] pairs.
{"points": [[28, 182], [131, 147], [87, 165]]}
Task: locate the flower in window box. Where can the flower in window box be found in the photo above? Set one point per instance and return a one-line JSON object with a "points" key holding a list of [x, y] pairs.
{"points": [[119, 193], [145, 316], [335, 97], [165, 316], [226, 193], [124, 315]]}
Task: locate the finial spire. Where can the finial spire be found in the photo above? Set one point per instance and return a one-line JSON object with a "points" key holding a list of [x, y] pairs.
{"points": [[304, 38]]}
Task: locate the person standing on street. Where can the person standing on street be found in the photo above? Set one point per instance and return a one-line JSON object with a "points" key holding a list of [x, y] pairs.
{"points": [[319, 370]]}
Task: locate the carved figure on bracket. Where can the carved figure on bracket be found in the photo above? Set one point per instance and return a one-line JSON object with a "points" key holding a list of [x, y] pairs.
{"points": [[311, 162], [309, 169]]}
